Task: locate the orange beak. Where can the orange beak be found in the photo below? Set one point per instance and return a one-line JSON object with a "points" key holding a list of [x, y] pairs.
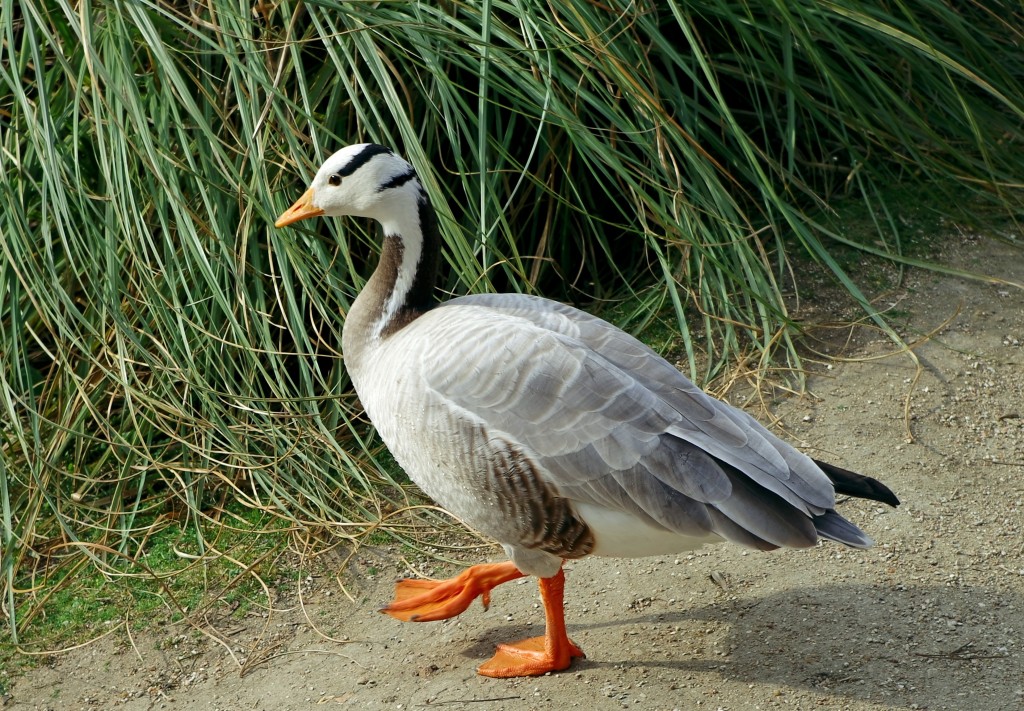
{"points": [[302, 209]]}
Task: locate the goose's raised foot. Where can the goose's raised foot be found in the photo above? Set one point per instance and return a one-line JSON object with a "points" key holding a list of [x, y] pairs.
{"points": [[429, 600]]}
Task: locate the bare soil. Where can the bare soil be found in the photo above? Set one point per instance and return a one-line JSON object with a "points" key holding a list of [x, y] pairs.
{"points": [[932, 617]]}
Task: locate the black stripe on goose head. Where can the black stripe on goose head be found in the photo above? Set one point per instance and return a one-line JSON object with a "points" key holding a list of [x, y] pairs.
{"points": [[363, 157], [397, 181]]}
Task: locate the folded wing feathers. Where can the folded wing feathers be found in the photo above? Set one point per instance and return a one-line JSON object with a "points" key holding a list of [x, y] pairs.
{"points": [[834, 527], [614, 424]]}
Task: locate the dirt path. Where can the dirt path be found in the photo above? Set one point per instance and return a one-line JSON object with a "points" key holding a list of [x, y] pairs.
{"points": [[931, 618]]}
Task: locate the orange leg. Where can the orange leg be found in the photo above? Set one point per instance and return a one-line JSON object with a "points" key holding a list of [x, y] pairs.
{"points": [[538, 655], [428, 600]]}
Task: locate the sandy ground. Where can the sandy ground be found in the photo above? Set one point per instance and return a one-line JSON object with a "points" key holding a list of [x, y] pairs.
{"points": [[930, 618]]}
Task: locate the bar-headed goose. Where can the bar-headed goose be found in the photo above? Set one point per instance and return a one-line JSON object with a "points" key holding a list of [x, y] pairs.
{"points": [[550, 430]]}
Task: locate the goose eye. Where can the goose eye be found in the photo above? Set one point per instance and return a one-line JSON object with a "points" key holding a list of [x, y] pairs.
{"points": [[334, 180]]}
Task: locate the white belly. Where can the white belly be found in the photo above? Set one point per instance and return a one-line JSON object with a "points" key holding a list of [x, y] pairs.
{"points": [[619, 535]]}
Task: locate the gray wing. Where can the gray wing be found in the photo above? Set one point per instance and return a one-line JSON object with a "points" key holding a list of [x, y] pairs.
{"points": [[612, 423]]}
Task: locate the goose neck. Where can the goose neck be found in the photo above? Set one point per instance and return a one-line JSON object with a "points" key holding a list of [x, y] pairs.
{"points": [[401, 287]]}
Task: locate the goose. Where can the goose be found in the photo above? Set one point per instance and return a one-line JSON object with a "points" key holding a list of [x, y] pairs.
{"points": [[548, 429]]}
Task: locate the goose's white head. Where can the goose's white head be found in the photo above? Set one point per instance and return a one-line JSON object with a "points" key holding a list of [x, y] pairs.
{"points": [[359, 180]]}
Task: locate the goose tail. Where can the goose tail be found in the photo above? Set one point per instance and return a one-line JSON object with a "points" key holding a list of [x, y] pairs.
{"points": [[834, 527]]}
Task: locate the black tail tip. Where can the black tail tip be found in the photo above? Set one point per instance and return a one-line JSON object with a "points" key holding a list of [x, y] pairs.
{"points": [[858, 485]]}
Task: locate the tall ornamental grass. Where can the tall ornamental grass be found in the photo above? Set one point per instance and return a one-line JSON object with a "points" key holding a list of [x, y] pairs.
{"points": [[167, 356]]}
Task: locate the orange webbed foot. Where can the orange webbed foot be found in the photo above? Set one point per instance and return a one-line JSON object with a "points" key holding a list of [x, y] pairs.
{"points": [[538, 655], [530, 657], [428, 600]]}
